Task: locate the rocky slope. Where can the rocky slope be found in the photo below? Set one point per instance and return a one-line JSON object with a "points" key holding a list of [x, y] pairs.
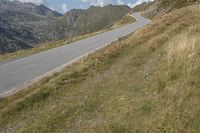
{"points": [[19, 22], [78, 21]]}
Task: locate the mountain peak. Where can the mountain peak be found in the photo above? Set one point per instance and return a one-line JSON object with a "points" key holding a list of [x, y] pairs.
{"points": [[43, 10]]}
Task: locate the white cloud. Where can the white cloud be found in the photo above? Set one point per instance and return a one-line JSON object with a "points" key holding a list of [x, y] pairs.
{"points": [[138, 2], [120, 2], [97, 2], [64, 7], [38, 2]]}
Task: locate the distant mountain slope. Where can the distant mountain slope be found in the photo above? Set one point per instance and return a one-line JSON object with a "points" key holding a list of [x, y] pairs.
{"points": [[78, 21], [18, 23], [10, 39], [27, 24]]}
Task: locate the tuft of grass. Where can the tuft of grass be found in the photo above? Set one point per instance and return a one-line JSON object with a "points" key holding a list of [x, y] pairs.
{"points": [[182, 55]]}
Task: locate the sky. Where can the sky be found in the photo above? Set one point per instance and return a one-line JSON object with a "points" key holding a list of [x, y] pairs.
{"points": [[63, 6]]}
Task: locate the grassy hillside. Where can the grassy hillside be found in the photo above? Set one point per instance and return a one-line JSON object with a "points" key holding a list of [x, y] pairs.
{"points": [[146, 82], [160, 7]]}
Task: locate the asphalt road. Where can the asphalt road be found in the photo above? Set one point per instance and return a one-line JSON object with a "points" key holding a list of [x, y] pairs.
{"points": [[16, 74]]}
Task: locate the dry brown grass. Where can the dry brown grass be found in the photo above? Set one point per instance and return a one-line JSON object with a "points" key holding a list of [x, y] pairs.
{"points": [[146, 82], [183, 52]]}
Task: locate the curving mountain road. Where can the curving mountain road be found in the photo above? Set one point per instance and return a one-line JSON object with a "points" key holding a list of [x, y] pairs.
{"points": [[18, 73]]}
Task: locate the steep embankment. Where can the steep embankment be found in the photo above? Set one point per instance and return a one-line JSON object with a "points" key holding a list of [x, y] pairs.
{"points": [[147, 82]]}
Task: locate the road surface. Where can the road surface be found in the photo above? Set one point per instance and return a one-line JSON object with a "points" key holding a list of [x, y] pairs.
{"points": [[16, 74]]}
